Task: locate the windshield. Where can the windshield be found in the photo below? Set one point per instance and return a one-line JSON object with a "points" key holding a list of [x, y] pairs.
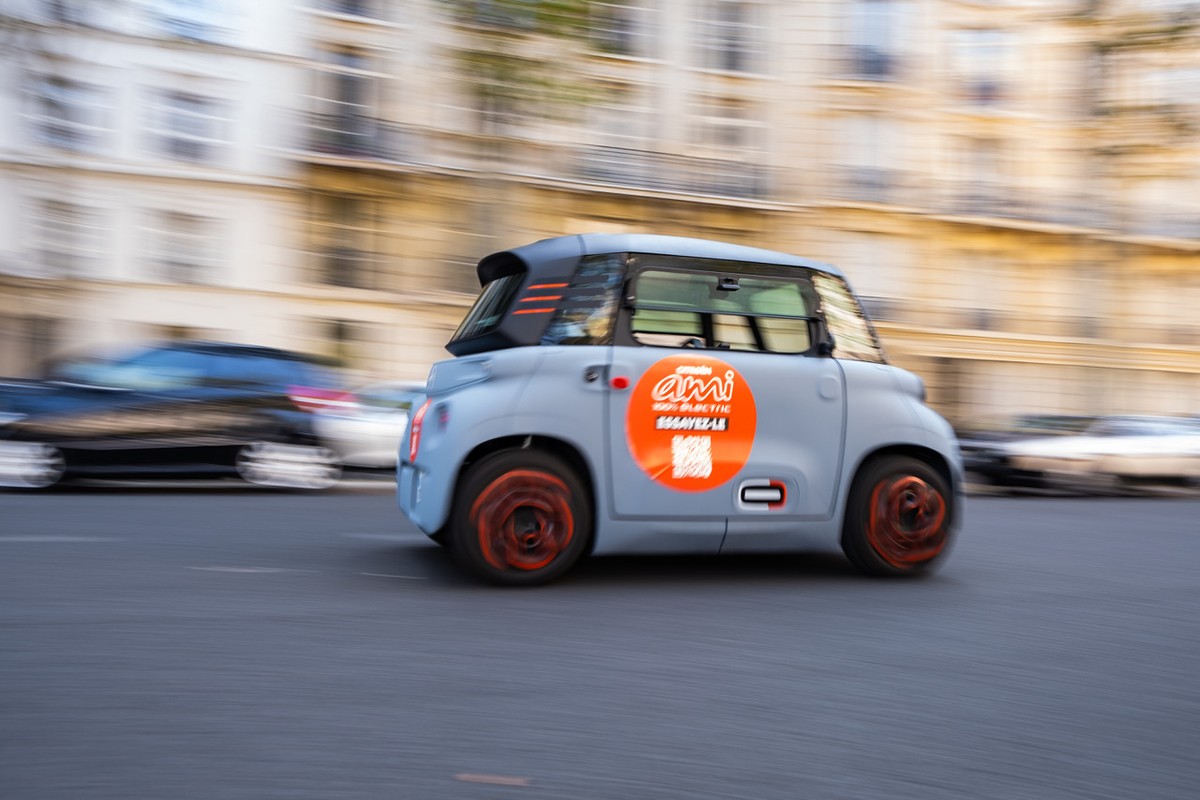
{"points": [[144, 369]]}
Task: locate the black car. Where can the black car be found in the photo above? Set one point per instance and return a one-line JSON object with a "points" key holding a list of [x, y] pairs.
{"points": [[181, 409]]}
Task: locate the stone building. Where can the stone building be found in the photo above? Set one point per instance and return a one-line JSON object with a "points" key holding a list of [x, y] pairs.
{"points": [[1012, 185]]}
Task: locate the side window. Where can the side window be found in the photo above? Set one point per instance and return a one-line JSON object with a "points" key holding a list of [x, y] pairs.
{"points": [[665, 310], [588, 311], [726, 307], [853, 336], [155, 370], [233, 371]]}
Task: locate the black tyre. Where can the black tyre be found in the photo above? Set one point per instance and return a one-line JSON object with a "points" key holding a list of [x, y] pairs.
{"points": [[898, 518], [291, 466], [31, 465], [520, 518]]}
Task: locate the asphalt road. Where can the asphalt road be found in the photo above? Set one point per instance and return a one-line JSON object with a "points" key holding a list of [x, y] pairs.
{"points": [[203, 644]]}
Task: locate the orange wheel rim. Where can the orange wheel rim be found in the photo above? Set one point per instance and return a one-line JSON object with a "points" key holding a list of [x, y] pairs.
{"points": [[524, 520], [906, 524]]}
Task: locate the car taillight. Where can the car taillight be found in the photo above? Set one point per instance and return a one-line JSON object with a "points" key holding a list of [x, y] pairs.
{"points": [[310, 398], [414, 433]]}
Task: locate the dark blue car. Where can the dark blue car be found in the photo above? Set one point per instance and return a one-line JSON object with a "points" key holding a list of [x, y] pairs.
{"points": [[180, 409]]}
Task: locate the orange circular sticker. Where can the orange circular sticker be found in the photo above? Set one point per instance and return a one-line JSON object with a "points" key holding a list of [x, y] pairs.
{"points": [[690, 423]]}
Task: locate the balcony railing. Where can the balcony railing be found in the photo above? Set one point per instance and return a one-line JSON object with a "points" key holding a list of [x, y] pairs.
{"points": [[655, 171], [1007, 202], [372, 141], [354, 136], [868, 185]]}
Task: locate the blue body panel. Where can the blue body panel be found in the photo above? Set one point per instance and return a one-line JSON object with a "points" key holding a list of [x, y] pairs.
{"points": [[818, 419]]}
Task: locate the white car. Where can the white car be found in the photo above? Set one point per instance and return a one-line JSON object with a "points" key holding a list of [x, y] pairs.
{"points": [[1125, 448], [364, 427]]}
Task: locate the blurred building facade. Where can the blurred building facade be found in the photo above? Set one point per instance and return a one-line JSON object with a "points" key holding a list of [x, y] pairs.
{"points": [[1014, 185], [145, 192]]}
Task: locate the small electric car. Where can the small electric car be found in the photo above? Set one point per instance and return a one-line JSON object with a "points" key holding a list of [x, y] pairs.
{"points": [[616, 393]]}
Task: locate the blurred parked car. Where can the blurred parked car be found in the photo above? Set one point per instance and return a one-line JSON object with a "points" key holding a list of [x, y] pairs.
{"points": [[1122, 449], [985, 457], [182, 409], [364, 427]]}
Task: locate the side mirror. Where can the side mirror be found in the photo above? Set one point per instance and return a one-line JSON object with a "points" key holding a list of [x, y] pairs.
{"points": [[819, 333]]}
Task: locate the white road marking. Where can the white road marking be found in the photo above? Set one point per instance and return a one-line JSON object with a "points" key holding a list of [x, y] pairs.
{"points": [[402, 577], [54, 538], [385, 537], [496, 780], [249, 569]]}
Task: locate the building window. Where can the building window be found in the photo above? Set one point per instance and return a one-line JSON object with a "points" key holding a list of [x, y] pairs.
{"points": [[624, 115], [368, 9], [69, 239], [345, 120], [623, 126], [198, 20], [513, 14], [883, 270], [870, 147], [983, 180], [184, 248], [983, 63], [624, 29], [67, 12], [731, 36], [188, 127], [68, 114], [346, 241], [873, 39], [1175, 87], [728, 125]]}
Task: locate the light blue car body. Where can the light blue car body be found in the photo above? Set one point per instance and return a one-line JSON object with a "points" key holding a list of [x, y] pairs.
{"points": [[819, 419]]}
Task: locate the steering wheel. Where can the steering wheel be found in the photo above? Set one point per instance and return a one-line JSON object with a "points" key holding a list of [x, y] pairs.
{"points": [[694, 342]]}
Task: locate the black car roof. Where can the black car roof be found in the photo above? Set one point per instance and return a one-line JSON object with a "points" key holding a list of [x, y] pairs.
{"points": [[558, 256]]}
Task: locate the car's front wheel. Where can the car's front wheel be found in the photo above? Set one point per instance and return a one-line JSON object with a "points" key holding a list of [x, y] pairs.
{"points": [[899, 517], [31, 465], [520, 517]]}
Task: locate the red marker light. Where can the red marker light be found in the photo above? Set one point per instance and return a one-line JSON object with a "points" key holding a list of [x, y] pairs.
{"points": [[414, 435], [619, 382]]}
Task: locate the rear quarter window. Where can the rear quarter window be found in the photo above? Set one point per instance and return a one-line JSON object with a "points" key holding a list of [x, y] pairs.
{"points": [[588, 311], [489, 309]]}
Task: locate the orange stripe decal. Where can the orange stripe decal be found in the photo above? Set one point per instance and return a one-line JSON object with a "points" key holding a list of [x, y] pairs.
{"points": [[534, 311], [548, 286], [542, 298]]}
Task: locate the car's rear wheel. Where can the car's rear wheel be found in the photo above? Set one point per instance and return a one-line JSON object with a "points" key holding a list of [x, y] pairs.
{"points": [[31, 465], [520, 517], [899, 517], [290, 466]]}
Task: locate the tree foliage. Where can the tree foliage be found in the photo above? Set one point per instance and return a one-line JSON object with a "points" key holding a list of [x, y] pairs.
{"points": [[515, 55]]}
